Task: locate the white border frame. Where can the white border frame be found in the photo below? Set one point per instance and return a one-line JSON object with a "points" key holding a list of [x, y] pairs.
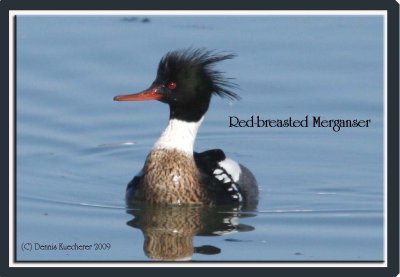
{"points": [[13, 13]]}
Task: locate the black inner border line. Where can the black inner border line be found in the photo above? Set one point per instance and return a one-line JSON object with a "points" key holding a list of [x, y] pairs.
{"points": [[15, 138], [146, 261]]}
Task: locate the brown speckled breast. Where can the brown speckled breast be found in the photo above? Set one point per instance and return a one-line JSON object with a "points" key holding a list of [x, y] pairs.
{"points": [[171, 177]]}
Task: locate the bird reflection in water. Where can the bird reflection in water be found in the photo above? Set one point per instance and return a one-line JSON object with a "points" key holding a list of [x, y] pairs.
{"points": [[169, 230]]}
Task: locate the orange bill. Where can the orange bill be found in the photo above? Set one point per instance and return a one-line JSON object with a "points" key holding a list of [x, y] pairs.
{"points": [[148, 94]]}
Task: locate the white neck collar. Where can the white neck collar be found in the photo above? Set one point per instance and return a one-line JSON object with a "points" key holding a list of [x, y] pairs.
{"points": [[179, 135]]}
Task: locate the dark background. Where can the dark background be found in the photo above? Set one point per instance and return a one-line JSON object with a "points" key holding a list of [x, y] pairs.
{"points": [[393, 129]]}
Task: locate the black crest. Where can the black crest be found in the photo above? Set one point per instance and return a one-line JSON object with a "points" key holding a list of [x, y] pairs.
{"points": [[186, 60]]}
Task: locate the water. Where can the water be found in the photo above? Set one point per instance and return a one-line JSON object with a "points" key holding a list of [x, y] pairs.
{"points": [[321, 191]]}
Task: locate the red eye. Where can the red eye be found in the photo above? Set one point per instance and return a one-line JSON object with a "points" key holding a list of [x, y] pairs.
{"points": [[171, 85]]}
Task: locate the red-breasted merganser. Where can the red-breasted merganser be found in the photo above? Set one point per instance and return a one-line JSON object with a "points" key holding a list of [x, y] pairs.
{"points": [[173, 173]]}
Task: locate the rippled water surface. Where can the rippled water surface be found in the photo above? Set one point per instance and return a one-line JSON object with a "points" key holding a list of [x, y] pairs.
{"points": [[322, 192]]}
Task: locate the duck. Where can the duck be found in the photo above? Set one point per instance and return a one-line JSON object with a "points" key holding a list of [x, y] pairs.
{"points": [[173, 173]]}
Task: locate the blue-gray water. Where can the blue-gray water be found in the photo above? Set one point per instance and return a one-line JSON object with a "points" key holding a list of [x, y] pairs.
{"points": [[322, 193]]}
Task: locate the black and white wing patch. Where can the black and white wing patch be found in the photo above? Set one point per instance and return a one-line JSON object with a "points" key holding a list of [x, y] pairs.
{"points": [[223, 175], [228, 172]]}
